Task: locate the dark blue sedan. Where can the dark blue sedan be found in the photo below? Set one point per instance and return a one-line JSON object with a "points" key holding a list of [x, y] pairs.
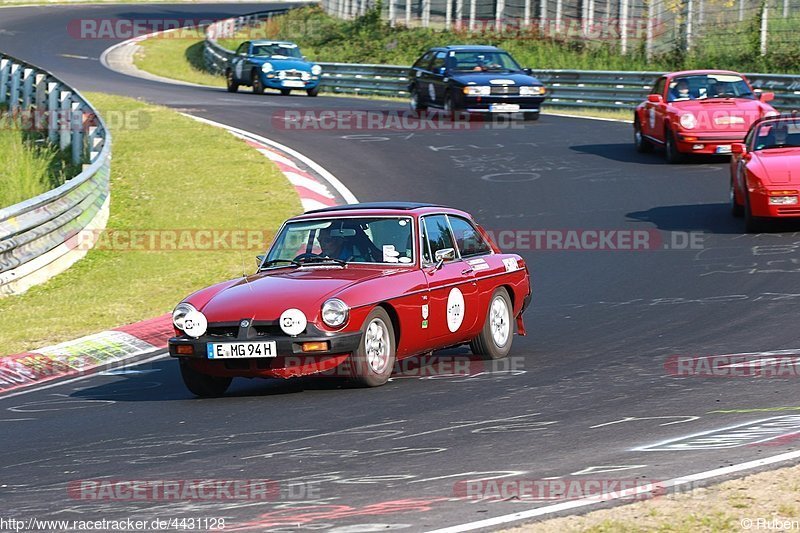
{"points": [[474, 79]]}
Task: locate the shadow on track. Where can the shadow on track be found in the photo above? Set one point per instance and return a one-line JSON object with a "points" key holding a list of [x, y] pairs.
{"points": [[626, 153], [710, 218]]}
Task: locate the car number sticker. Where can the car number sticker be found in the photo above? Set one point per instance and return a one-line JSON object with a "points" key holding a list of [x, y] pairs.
{"points": [[238, 68], [510, 264], [455, 309]]}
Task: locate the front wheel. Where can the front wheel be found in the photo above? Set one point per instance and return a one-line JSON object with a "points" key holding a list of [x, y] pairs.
{"points": [[203, 385], [671, 149], [752, 224], [313, 92], [372, 363], [494, 342], [286, 92], [449, 110], [258, 85], [736, 209], [530, 117]]}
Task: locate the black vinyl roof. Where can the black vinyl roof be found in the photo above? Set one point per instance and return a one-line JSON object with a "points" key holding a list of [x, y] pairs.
{"points": [[403, 206]]}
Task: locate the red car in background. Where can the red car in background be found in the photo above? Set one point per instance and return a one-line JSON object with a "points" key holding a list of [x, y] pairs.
{"points": [[698, 112], [349, 290], [765, 172]]}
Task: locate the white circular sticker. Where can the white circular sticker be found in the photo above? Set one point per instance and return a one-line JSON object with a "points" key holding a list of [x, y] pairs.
{"points": [[455, 310], [293, 321], [195, 324]]}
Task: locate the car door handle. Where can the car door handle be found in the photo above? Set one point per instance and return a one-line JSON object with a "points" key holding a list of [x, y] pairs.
{"points": [[466, 271]]}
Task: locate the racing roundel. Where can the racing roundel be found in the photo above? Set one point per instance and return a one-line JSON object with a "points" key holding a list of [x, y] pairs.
{"points": [[455, 309]]}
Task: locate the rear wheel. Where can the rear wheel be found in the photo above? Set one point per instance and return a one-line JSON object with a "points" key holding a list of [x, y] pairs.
{"points": [[286, 92], [231, 81], [642, 144], [201, 384], [372, 363], [671, 149], [258, 86], [736, 209], [494, 342]]}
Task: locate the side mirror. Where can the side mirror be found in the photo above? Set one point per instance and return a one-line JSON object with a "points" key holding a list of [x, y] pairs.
{"points": [[441, 71], [766, 97], [445, 254], [259, 261], [305, 58], [528, 71], [738, 148], [655, 98]]}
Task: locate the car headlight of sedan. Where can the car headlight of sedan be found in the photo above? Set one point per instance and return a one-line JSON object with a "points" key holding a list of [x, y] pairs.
{"points": [[477, 90], [189, 320], [335, 312], [688, 121], [535, 90], [266, 67], [316, 70]]}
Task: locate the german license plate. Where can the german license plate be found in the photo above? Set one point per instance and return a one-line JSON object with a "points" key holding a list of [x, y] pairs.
{"points": [[504, 108], [724, 149], [294, 83], [241, 350]]}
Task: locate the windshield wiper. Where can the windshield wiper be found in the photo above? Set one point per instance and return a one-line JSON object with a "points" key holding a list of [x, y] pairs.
{"points": [[323, 259], [274, 261]]}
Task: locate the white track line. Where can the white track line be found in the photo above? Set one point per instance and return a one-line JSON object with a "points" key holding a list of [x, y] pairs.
{"points": [[340, 187], [589, 502]]}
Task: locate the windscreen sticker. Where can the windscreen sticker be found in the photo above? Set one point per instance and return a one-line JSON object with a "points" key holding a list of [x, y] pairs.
{"points": [[390, 255]]}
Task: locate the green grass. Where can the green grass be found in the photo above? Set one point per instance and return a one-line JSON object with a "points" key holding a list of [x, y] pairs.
{"points": [[169, 172], [177, 58], [30, 167]]}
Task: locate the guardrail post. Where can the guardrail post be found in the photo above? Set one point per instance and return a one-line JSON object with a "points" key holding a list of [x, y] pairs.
{"points": [[13, 94], [52, 112], [40, 102], [28, 76], [76, 126], [5, 69], [65, 137]]}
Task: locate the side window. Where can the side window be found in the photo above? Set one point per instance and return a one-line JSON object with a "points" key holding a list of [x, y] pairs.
{"points": [[438, 61], [242, 50], [658, 88], [424, 61], [438, 233], [469, 241]]}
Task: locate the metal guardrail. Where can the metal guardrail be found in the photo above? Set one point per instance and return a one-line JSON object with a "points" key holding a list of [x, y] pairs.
{"points": [[36, 236], [568, 88]]}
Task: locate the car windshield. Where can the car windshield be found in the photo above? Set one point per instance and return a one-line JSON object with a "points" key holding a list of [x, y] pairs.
{"points": [[338, 240], [708, 86], [479, 61], [777, 134], [277, 50]]}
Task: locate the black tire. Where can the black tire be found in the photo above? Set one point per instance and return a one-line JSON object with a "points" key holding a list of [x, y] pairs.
{"points": [[258, 87], [203, 385], [530, 117], [671, 150], [230, 81], [736, 209], [752, 224], [373, 370], [286, 92], [313, 92], [643, 146], [486, 344], [416, 102], [448, 107]]}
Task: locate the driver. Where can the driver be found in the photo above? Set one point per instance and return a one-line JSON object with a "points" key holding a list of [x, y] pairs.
{"points": [[781, 134], [335, 246]]}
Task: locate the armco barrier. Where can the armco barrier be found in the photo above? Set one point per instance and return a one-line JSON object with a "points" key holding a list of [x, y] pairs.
{"points": [[569, 88], [34, 234]]}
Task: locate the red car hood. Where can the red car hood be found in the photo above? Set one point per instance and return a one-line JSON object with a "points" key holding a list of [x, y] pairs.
{"points": [[723, 114], [265, 296], [780, 166]]}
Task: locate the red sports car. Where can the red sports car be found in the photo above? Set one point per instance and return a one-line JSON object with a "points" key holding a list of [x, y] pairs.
{"points": [[348, 290], [765, 172], [698, 112]]}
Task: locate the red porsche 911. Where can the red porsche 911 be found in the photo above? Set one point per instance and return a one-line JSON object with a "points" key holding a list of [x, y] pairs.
{"points": [[765, 172], [698, 112], [353, 289]]}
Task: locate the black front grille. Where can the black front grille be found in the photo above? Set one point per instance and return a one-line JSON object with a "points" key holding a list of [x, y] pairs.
{"points": [[293, 74], [222, 331], [505, 89]]}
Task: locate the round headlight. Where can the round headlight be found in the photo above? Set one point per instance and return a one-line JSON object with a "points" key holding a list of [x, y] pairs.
{"points": [[316, 70], [266, 67], [688, 121], [335, 312], [180, 312]]}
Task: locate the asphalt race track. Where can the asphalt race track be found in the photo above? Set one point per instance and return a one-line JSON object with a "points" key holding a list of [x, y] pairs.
{"points": [[577, 399]]}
